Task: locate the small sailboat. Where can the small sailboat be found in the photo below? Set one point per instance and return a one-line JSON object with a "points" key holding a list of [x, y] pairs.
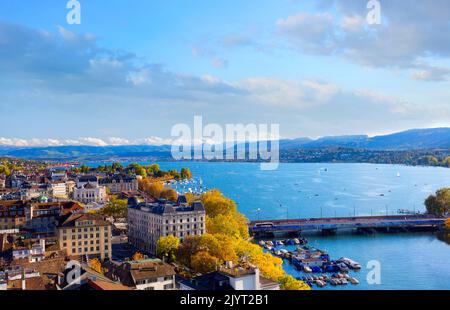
{"points": [[398, 174]]}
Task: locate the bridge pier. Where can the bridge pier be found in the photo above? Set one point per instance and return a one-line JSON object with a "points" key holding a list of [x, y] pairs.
{"points": [[329, 232], [365, 231]]}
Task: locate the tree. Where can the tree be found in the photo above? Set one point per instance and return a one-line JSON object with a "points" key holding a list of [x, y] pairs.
{"points": [[85, 169], [203, 262], [95, 265], [167, 247], [169, 194], [439, 204], [153, 189], [116, 208], [153, 169], [137, 169], [234, 225], [190, 198], [216, 203], [447, 224], [138, 256], [175, 174], [185, 173], [291, 284], [116, 167], [446, 162], [187, 249], [5, 170]]}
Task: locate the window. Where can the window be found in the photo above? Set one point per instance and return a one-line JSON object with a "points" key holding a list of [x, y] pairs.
{"points": [[168, 286]]}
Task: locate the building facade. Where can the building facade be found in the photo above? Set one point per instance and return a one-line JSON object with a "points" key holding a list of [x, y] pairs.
{"points": [[230, 278], [59, 190], [120, 183], [148, 222], [12, 216], [85, 234], [147, 274], [90, 192]]}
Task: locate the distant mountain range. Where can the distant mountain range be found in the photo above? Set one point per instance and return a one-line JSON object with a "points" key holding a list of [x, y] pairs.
{"points": [[417, 139]]}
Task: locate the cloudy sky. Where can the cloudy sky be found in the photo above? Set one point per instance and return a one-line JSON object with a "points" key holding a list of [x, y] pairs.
{"points": [[133, 69]]}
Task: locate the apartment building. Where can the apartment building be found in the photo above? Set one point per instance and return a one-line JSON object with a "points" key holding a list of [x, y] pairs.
{"points": [[85, 234], [12, 216], [148, 222], [147, 274], [230, 278], [58, 189], [120, 183]]}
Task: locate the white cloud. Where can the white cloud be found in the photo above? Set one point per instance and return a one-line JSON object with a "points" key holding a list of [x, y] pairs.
{"points": [[410, 30]]}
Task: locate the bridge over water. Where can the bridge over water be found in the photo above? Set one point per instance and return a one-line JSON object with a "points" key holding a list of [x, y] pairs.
{"points": [[332, 225]]}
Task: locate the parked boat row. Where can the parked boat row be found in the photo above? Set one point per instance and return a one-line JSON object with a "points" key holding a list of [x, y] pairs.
{"points": [[287, 242], [311, 260], [324, 280]]}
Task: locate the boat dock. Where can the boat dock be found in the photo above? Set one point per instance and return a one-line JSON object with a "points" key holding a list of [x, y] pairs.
{"points": [[368, 224]]}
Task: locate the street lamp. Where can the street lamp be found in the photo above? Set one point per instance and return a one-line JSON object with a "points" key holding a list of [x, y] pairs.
{"points": [[258, 211]]}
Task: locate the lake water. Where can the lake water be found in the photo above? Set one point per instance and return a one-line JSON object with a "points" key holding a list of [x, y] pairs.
{"points": [[408, 261]]}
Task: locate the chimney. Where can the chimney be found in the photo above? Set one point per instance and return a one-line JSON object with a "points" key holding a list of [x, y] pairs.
{"points": [[229, 264], [257, 280], [24, 281]]}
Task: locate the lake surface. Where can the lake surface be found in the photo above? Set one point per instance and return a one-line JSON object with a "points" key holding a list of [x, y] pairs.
{"points": [[408, 261]]}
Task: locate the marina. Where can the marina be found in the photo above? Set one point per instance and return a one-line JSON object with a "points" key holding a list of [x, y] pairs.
{"points": [[315, 265]]}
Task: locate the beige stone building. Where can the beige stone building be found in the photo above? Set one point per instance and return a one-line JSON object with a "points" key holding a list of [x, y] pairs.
{"points": [[148, 222], [120, 183], [85, 234]]}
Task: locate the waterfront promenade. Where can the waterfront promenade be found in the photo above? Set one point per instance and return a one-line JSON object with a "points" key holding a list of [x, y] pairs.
{"points": [[332, 225]]}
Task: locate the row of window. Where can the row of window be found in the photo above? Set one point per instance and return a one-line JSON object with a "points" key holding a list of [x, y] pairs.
{"points": [[86, 236], [87, 250]]}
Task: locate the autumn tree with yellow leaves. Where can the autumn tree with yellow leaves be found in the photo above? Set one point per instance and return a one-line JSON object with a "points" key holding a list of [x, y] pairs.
{"points": [[96, 265], [227, 239], [167, 247]]}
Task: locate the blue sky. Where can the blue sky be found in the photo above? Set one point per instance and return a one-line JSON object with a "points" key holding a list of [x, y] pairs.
{"points": [[133, 69]]}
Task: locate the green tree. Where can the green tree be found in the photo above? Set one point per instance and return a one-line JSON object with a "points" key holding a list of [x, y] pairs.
{"points": [[5, 170], [153, 169], [85, 169], [439, 204], [116, 208], [116, 167], [137, 169], [185, 173]]}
